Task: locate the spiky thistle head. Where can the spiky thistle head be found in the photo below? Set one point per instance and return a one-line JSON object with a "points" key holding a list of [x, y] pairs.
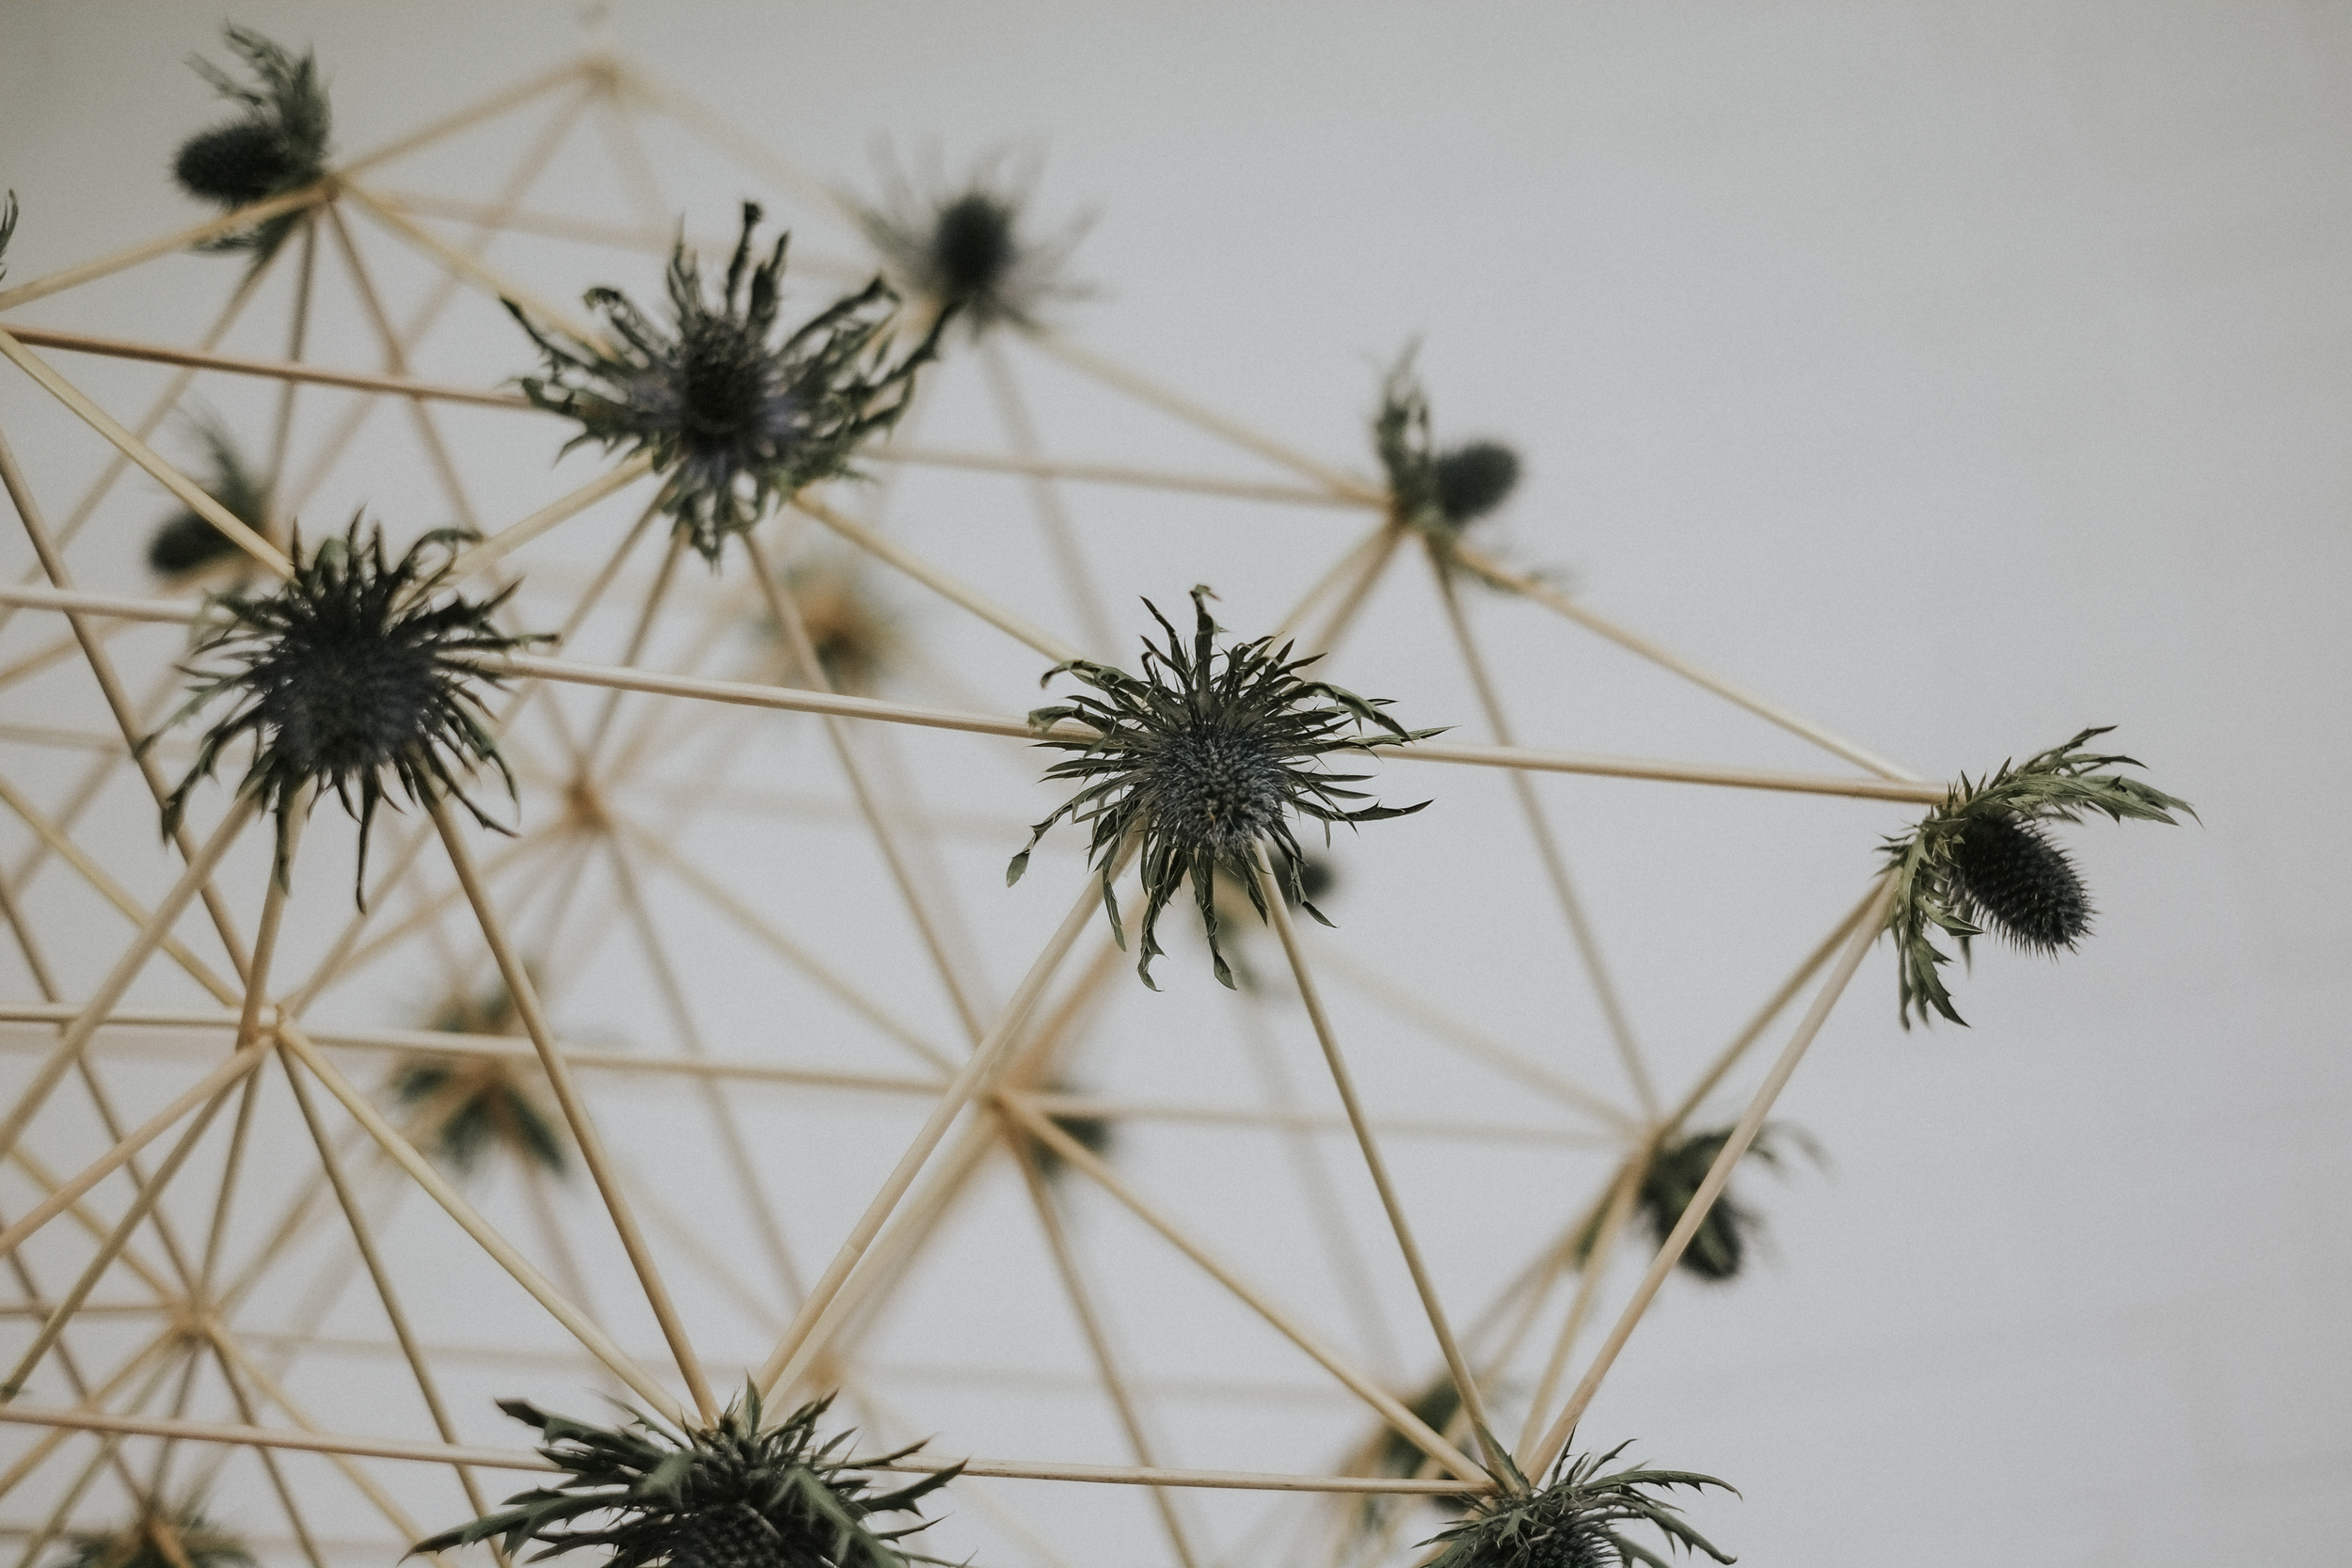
{"points": [[355, 671], [188, 543], [1719, 1248], [1576, 1519], [157, 1538], [733, 420], [1204, 759], [279, 143], [1439, 493], [1984, 855], [737, 1494], [965, 250]]}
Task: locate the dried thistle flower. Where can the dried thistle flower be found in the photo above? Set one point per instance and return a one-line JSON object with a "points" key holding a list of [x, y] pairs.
{"points": [[1719, 1248], [278, 144], [189, 544], [1438, 1405], [461, 1108], [1574, 1520], [856, 638], [733, 420], [181, 1538], [1438, 493], [732, 1496], [348, 672], [1983, 856], [1206, 764], [8, 231], [1095, 1134], [964, 250]]}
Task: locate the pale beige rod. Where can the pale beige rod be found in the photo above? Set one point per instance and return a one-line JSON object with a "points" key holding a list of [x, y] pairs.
{"points": [[802, 1341], [512, 537], [747, 694], [502, 101], [1094, 473], [1310, 997], [1634, 643], [593, 1339], [1716, 1176], [188, 491], [939, 582], [275, 370], [1390, 1409], [1617, 1208], [525, 995], [110, 991], [474, 270], [147, 250], [520, 1459]]}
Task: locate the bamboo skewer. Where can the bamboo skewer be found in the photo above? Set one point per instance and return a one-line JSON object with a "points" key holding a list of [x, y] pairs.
{"points": [[472, 268], [1410, 1426], [1083, 1307], [525, 996], [148, 250], [1718, 1174], [1037, 467], [48, 1181], [171, 478], [489, 108], [515, 535], [1616, 1210], [1547, 849], [1061, 542], [1473, 1402], [805, 1339], [936, 580], [274, 522], [403, 1153], [271, 369]]}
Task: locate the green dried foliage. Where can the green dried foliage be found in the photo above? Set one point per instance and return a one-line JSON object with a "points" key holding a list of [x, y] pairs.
{"points": [[734, 421], [857, 640], [1719, 1248], [1437, 1405], [8, 231], [1205, 762], [964, 250], [278, 144], [183, 1538], [188, 543], [1574, 1521], [733, 1496], [353, 670], [1437, 493], [1982, 856], [463, 1107]]}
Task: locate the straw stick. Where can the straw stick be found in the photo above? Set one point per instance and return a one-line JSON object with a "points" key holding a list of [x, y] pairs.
{"points": [[84, 1215], [274, 520], [805, 1339], [1341, 485], [1616, 1208], [1473, 1402], [1547, 849], [448, 125], [936, 580], [642, 84], [593, 1339], [1061, 541], [515, 535], [525, 996], [141, 454], [1763, 707], [147, 250], [274, 370], [1103, 473], [1410, 1426], [1098, 1342], [1359, 589], [1718, 1174], [472, 268], [126, 969]]}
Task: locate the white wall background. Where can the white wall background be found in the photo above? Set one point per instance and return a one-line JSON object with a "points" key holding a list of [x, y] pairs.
{"points": [[1961, 375]]}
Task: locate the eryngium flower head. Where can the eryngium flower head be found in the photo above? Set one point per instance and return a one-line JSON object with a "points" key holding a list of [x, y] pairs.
{"points": [[1574, 1520], [964, 250], [183, 1538], [278, 144], [1719, 1248], [8, 231], [1206, 763], [732, 419], [1983, 856], [348, 673], [1439, 493], [188, 543], [733, 1496]]}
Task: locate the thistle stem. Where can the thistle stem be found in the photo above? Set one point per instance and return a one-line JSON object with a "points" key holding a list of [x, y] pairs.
{"points": [[1718, 1176], [1270, 889]]}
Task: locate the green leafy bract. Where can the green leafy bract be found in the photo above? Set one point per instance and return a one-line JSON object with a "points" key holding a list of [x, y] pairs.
{"points": [[1205, 762], [278, 144], [1573, 1521], [734, 1496], [2061, 785]]}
